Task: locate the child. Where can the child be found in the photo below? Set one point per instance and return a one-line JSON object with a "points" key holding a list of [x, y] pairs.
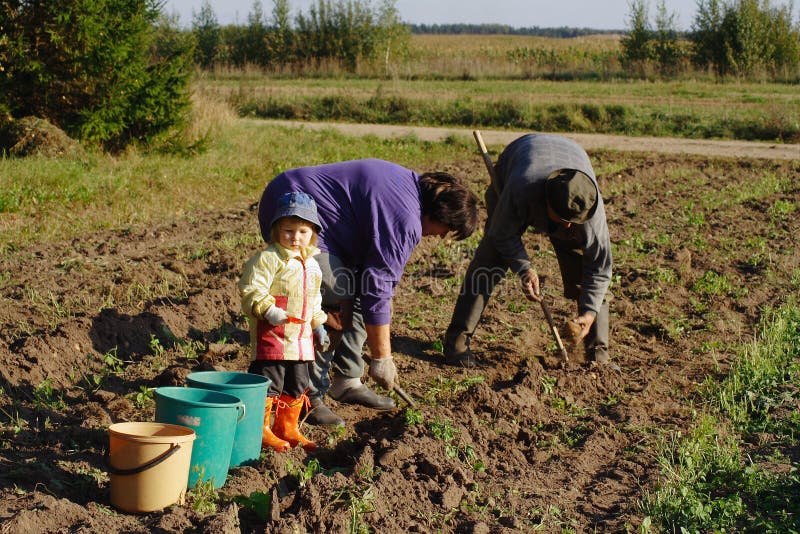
{"points": [[280, 290]]}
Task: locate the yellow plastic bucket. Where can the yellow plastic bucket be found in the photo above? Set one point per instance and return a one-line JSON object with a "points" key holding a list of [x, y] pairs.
{"points": [[148, 464]]}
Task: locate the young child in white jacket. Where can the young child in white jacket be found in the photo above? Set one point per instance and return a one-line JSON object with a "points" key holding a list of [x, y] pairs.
{"points": [[280, 290]]}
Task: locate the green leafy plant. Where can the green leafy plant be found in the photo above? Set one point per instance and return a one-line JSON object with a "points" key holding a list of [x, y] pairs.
{"points": [[16, 422], [336, 434], [304, 473], [144, 397], [708, 482], [46, 396], [780, 209], [113, 362], [454, 446], [413, 417], [449, 387], [203, 497], [192, 349], [156, 348], [711, 283], [548, 384], [258, 502], [359, 500]]}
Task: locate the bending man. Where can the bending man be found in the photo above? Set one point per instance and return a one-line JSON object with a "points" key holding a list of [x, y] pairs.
{"points": [[545, 182]]}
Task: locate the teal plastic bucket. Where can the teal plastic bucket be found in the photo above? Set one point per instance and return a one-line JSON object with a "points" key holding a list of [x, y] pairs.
{"points": [[214, 417], [252, 390]]}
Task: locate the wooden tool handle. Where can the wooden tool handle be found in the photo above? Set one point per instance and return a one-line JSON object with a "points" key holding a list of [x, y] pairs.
{"points": [[487, 159], [554, 330]]}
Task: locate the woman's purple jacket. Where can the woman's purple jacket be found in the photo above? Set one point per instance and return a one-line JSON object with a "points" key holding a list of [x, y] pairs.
{"points": [[371, 217]]}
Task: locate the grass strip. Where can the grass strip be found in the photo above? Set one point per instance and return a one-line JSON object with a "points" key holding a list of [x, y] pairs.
{"points": [[736, 470]]}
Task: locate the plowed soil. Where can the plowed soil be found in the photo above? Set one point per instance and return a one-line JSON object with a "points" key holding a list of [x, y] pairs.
{"points": [[518, 444]]}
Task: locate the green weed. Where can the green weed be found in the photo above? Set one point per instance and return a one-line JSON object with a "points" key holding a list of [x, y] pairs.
{"points": [[780, 209], [199, 253], [712, 284], [192, 349], [359, 500], [548, 384], [450, 387], [156, 348], [16, 422], [304, 473], [413, 417], [336, 434], [113, 363], [143, 398], [694, 217], [45, 396], [442, 429], [203, 497], [517, 307], [258, 502]]}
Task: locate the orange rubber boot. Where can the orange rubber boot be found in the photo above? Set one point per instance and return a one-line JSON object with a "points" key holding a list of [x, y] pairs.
{"points": [[287, 416], [268, 439]]}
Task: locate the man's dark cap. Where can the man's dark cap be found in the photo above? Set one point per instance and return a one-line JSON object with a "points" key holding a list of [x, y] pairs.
{"points": [[572, 195]]}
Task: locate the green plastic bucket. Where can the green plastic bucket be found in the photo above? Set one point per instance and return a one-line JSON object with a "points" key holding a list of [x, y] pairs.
{"points": [[214, 417], [252, 390]]}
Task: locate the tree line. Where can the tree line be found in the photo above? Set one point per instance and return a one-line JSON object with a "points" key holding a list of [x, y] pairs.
{"points": [[741, 38], [344, 31], [563, 32]]}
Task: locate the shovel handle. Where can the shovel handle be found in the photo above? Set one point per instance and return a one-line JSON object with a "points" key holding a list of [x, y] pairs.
{"points": [[487, 160], [554, 330]]}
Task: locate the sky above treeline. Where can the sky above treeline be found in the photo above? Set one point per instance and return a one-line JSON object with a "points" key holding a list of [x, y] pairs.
{"points": [[597, 14]]}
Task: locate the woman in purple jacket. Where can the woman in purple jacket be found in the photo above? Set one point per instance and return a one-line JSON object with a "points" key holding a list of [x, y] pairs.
{"points": [[373, 215]]}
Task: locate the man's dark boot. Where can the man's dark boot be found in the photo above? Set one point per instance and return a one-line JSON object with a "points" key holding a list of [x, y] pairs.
{"points": [[457, 352], [596, 342], [319, 414], [364, 396]]}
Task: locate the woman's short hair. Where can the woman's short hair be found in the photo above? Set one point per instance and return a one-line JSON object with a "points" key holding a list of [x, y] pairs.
{"points": [[447, 200]]}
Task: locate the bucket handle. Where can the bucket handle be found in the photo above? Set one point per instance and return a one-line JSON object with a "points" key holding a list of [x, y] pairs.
{"points": [[173, 448], [244, 410]]}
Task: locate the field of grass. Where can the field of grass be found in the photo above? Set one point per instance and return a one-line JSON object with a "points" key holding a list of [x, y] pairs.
{"points": [[534, 83], [43, 199]]}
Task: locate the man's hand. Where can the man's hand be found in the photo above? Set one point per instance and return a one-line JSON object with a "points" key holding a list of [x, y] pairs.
{"points": [[585, 321], [321, 340], [530, 285], [383, 371], [276, 316]]}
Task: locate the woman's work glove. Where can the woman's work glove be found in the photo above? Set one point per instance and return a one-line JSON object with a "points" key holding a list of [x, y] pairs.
{"points": [[321, 339], [530, 285], [276, 316], [383, 371]]}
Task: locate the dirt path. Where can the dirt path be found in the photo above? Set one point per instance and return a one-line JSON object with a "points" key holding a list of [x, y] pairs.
{"points": [[665, 145]]}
